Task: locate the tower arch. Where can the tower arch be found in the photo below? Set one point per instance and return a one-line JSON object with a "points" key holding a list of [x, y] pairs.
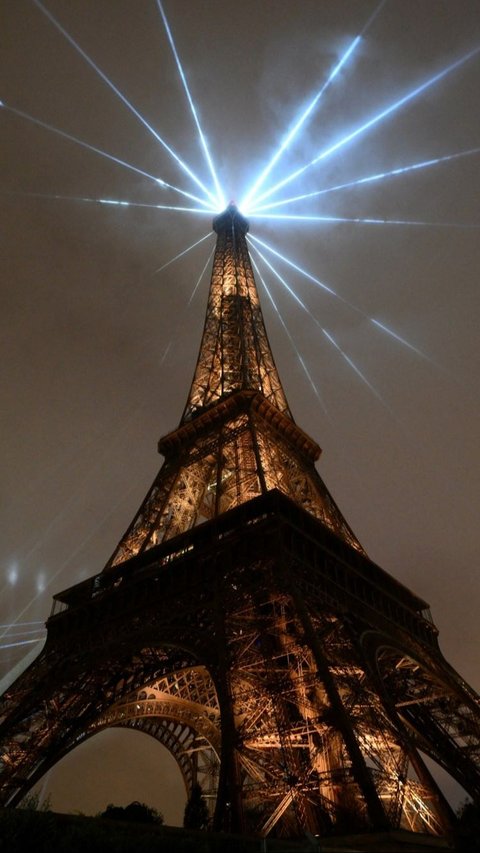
{"points": [[239, 610]]}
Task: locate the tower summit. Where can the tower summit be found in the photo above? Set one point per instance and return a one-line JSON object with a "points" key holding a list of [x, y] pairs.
{"points": [[240, 623], [237, 438], [235, 353]]}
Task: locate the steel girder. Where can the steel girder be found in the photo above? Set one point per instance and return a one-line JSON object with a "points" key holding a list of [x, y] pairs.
{"points": [[292, 666]]}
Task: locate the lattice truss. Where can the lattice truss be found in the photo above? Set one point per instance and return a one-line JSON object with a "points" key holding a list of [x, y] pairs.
{"points": [[243, 458], [214, 463], [443, 719], [46, 715], [234, 353], [180, 711], [295, 767], [280, 707], [294, 764]]}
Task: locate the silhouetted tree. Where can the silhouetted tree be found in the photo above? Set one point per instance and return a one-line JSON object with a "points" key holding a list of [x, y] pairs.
{"points": [[135, 812], [467, 831], [196, 810]]}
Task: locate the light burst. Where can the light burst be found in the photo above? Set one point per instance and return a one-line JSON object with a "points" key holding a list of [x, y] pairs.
{"points": [[294, 131], [397, 337], [124, 100], [158, 181], [115, 202], [252, 198], [289, 335], [26, 633], [304, 307], [282, 281], [260, 206], [19, 643], [368, 179], [370, 123], [354, 367], [191, 298], [200, 278], [184, 252], [303, 272], [361, 220], [297, 127], [295, 266], [220, 197]]}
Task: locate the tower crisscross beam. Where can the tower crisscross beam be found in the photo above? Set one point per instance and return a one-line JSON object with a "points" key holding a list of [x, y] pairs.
{"points": [[240, 623], [234, 353]]}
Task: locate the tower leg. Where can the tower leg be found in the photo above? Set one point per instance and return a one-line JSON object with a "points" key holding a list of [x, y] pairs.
{"points": [[228, 815], [360, 771]]}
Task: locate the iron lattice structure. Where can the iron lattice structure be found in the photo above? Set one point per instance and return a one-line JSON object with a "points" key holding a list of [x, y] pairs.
{"points": [[241, 624]]}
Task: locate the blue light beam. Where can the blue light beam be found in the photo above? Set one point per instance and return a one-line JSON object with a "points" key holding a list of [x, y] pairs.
{"points": [[362, 220], [66, 562], [21, 643], [203, 141], [163, 184], [287, 331], [295, 129], [401, 340], [144, 204], [356, 369], [317, 323], [122, 97], [192, 295], [26, 633], [300, 270], [297, 126], [341, 298], [327, 152], [112, 201], [181, 254], [175, 335], [401, 170], [282, 281]]}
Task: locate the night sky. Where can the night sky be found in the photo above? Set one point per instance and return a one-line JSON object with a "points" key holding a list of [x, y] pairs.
{"points": [[98, 349]]}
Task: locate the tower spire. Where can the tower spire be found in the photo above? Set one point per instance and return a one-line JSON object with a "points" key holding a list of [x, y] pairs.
{"points": [[235, 354], [237, 438], [280, 666]]}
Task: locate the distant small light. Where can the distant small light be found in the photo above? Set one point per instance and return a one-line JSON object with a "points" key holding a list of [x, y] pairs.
{"points": [[41, 582], [13, 576]]}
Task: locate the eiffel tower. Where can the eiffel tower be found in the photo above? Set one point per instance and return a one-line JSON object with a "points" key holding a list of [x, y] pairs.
{"points": [[240, 622]]}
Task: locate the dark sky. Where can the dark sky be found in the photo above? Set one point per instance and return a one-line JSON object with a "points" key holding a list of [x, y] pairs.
{"points": [[86, 320]]}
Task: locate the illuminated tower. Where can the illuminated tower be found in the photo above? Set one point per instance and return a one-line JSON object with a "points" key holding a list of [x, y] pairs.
{"points": [[240, 622]]}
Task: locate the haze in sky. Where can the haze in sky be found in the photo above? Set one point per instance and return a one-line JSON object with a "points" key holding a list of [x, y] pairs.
{"points": [[99, 349]]}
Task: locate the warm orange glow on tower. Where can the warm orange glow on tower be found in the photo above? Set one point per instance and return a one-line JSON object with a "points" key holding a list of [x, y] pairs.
{"points": [[240, 623]]}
